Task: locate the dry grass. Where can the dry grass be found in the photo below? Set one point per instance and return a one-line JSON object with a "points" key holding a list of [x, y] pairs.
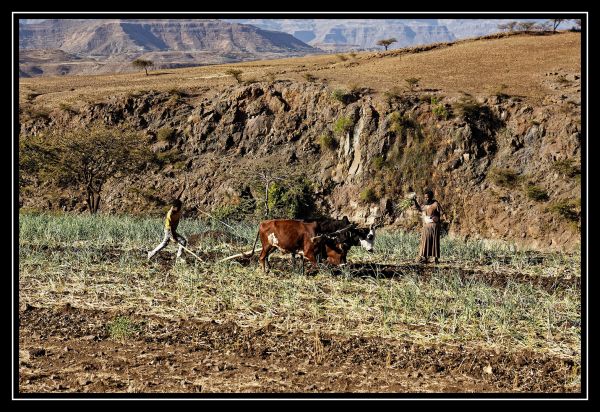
{"points": [[519, 62]]}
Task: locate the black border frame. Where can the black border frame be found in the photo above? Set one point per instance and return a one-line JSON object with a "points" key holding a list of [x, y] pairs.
{"points": [[301, 15]]}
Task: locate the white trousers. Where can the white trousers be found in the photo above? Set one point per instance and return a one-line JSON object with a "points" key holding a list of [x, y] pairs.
{"points": [[168, 236]]}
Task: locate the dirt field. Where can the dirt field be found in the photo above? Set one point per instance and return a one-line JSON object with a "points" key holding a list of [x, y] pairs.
{"points": [[67, 349]]}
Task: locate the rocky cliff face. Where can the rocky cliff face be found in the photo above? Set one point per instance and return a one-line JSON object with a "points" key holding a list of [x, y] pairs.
{"points": [[481, 157]]}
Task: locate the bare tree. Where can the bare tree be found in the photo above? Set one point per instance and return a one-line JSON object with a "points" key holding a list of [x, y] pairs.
{"points": [[545, 26], [556, 23], [386, 42], [511, 25], [526, 25], [142, 64]]}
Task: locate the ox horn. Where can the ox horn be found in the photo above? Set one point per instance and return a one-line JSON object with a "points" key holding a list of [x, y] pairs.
{"points": [[377, 223]]}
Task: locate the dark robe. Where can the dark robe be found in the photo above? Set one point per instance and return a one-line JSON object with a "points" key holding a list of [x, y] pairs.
{"points": [[430, 235]]}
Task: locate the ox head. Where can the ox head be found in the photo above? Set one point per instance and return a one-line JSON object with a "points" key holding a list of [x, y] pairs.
{"points": [[365, 237], [351, 235]]}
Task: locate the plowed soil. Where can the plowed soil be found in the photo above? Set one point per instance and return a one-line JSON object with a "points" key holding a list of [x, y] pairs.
{"points": [[68, 349]]}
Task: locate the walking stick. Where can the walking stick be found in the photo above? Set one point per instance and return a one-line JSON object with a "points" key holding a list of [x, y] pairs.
{"points": [[187, 250]]}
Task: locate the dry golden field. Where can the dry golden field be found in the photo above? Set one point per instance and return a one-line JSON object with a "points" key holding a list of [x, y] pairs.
{"points": [[473, 66]]}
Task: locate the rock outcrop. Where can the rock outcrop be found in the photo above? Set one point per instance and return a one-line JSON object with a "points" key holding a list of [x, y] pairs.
{"points": [[459, 147]]}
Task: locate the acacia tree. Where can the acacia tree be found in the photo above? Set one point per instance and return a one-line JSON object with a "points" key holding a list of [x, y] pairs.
{"points": [[142, 64], [386, 42], [85, 159], [235, 73], [412, 82]]}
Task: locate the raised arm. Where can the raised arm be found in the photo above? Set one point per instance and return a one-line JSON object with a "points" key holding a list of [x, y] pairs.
{"points": [[417, 205], [180, 193]]}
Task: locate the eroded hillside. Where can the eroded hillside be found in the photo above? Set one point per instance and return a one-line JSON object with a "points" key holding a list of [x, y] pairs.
{"points": [[501, 148]]}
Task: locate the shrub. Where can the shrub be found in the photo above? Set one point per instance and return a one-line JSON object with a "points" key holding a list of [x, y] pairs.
{"points": [[85, 159], [566, 209], [439, 109], [177, 92], [412, 82], [309, 77], [467, 107], [368, 195], [327, 141], [235, 73], [165, 134], [293, 200], [353, 55], [341, 57], [339, 95], [343, 125], [172, 156], [378, 162], [566, 167], [393, 94], [536, 193], [32, 95], [398, 123], [504, 177]]}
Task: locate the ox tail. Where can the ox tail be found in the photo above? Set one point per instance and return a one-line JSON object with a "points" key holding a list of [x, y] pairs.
{"points": [[248, 254], [244, 254]]}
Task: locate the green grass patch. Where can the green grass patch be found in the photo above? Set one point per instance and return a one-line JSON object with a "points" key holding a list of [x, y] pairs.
{"points": [[507, 178], [121, 328], [536, 193]]}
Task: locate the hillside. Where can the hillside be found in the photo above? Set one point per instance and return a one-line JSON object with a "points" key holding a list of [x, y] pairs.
{"points": [[353, 34], [169, 43], [492, 123]]}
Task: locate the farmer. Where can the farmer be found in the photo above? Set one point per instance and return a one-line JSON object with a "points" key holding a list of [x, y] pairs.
{"points": [[430, 235], [171, 222]]}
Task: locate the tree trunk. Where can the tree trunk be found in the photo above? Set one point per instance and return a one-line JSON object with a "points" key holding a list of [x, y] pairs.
{"points": [[96, 202], [93, 201], [88, 201], [146, 71]]}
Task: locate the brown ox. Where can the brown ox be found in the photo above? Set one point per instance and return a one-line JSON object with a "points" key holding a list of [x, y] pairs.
{"points": [[295, 237]]}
